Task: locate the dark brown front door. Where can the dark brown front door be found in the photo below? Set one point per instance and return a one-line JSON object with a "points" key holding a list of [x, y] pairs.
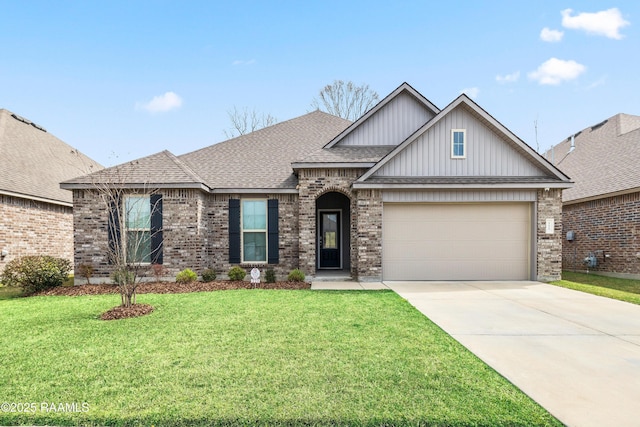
{"points": [[329, 239]]}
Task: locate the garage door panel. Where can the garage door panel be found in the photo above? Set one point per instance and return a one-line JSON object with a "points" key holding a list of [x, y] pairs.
{"points": [[474, 241]]}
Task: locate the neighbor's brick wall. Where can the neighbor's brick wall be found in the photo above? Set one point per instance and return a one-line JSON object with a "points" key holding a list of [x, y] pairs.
{"points": [[606, 226], [549, 256], [29, 227], [218, 223], [313, 183]]}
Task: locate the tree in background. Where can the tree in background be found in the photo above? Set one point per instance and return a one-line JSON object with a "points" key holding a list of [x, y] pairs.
{"points": [[345, 99], [245, 121]]}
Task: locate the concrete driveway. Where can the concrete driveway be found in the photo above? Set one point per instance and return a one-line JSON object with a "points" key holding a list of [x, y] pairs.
{"points": [[576, 354]]}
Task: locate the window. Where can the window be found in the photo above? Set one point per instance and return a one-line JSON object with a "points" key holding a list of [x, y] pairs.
{"points": [[458, 143], [137, 217], [254, 230]]}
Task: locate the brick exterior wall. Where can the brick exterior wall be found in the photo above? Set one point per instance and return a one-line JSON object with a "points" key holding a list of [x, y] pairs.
{"points": [[369, 235], [312, 184], [29, 227], [608, 226], [549, 246]]}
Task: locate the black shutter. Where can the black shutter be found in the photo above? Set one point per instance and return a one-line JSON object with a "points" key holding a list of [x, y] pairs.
{"points": [[113, 230], [272, 228], [234, 231], [156, 229]]}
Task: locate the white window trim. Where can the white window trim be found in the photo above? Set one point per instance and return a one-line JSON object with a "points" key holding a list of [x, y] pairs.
{"points": [[464, 143], [127, 229], [251, 230]]}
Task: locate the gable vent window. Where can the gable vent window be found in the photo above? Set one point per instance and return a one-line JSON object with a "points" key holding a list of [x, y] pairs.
{"points": [[458, 143]]}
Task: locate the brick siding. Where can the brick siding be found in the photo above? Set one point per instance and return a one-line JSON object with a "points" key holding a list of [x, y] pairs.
{"points": [[608, 226], [549, 246], [29, 227]]}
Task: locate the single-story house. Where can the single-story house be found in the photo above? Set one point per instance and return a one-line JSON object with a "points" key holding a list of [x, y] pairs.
{"points": [[35, 213], [408, 191], [601, 213]]}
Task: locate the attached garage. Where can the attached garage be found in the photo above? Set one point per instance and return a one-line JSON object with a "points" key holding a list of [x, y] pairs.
{"points": [[457, 241]]}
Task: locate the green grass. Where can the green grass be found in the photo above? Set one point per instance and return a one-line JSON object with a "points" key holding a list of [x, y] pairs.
{"points": [[249, 357], [9, 292], [610, 287]]}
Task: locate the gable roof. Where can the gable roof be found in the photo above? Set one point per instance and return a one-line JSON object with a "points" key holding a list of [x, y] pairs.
{"points": [[404, 88], [555, 178], [604, 160], [160, 170], [33, 162]]}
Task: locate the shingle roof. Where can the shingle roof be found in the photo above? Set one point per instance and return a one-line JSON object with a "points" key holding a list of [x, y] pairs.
{"points": [[605, 158], [347, 154], [160, 169], [262, 159], [33, 162]]}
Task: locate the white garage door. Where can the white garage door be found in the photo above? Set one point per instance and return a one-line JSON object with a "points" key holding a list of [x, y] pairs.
{"points": [[463, 241]]}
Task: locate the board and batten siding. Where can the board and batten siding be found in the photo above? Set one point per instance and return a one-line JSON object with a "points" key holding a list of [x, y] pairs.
{"points": [[487, 154], [458, 196], [392, 124]]}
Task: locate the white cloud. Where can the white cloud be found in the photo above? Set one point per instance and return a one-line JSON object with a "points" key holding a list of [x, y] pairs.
{"points": [[604, 23], [554, 71], [551, 36], [161, 104], [471, 92], [508, 78], [242, 62]]}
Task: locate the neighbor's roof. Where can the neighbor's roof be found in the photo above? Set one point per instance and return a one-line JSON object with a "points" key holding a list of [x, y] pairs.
{"points": [[604, 161], [258, 160], [33, 162]]}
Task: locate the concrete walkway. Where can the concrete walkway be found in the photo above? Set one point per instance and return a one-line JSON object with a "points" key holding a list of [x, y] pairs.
{"points": [[347, 286], [576, 354]]}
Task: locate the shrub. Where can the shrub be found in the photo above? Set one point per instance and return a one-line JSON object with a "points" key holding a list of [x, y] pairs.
{"points": [[209, 275], [296, 276], [270, 276], [36, 273], [186, 276], [123, 276], [236, 273], [158, 271], [86, 271]]}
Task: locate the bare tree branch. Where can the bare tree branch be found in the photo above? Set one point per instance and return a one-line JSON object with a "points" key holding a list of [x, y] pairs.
{"points": [[245, 121], [345, 99]]}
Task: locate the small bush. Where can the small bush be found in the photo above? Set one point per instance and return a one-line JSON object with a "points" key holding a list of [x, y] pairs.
{"points": [[296, 276], [270, 276], [36, 273], [86, 271], [186, 276], [158, 271], [123, 276], [209, 275], [237, 273]]}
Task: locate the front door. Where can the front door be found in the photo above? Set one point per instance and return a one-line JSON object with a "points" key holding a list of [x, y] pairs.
{"points": [[329, 239]]}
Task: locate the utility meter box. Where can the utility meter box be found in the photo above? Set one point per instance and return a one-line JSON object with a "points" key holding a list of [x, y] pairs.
{"points": [[571, 236]]}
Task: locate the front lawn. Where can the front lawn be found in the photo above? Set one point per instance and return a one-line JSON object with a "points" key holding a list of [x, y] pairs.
{"points": [[611, 287], [247, 357], [9, 292]]}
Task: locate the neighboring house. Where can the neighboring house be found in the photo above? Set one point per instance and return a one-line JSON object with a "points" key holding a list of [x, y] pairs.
{"points": [[407, 192], [603, 208], [35, 214]]}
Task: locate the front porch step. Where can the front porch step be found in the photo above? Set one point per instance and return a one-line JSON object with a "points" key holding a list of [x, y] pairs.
{"points": [[338, 276]]}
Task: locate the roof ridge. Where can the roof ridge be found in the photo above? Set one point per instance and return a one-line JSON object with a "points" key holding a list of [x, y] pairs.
{"points": [[183, 165]]}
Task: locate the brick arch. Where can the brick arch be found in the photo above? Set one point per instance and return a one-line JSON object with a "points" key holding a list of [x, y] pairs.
{"points": [[334, 189]]}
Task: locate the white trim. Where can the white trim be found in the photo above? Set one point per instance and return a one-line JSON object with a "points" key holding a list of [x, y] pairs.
{"points": [[367, 185], [464, 144], [147, 185], [340, 231], [256, 230]]}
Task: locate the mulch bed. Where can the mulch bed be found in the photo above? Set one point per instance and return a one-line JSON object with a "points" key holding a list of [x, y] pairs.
{"points": [[169, 288], [137, 310]]}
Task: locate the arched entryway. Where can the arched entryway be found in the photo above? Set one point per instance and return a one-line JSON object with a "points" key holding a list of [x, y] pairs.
{"points": [[333, 232]]}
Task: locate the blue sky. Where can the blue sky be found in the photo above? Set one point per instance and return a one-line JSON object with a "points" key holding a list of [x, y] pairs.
{"points": [[120, 80]]}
